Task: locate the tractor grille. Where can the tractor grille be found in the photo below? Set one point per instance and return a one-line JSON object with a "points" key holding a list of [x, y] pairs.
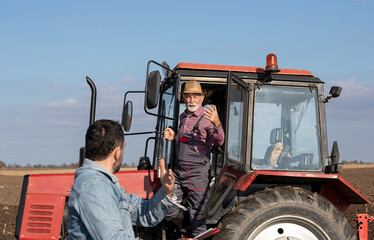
{"points": [[40, 219]]}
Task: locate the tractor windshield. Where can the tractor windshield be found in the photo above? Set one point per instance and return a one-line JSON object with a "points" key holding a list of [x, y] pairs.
{"points": [[286, 129]]}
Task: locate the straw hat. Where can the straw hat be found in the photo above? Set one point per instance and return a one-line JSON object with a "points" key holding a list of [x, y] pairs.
{"points": [[192, 87]]}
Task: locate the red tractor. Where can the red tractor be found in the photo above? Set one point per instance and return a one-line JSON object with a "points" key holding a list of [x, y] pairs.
{"points": [[272, 179]]}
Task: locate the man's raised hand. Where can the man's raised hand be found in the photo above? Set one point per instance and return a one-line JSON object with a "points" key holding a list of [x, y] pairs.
{"points": [[167, 179], [212, 115]]}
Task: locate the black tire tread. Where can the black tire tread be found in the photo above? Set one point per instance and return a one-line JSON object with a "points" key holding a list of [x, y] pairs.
{"points": [[233, 224]]}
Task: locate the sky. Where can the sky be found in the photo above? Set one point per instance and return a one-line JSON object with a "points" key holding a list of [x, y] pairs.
{"points": [[47, 48]]}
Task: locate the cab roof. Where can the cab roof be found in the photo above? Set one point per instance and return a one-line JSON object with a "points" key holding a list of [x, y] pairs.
{"points": [[216, 67], [257, 73]]}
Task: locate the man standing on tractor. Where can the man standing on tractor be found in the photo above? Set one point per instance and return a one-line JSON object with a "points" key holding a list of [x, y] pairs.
{"points": [[199, 128], [99, 208]]}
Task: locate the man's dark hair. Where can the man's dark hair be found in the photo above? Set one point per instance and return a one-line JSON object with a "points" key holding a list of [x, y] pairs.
{"points": [[102, 137]]}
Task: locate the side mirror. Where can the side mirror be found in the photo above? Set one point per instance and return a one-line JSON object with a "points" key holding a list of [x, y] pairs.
{"points": [[335, 155], [334, 93], [127, 116], [334, 166], [152, 89]]}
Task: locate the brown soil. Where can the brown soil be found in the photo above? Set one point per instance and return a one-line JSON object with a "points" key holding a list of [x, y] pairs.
{"points": [[363, 180], [10, 189]]}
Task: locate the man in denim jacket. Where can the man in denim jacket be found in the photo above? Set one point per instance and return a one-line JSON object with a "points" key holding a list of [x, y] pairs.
{"points": [[99, 208]]}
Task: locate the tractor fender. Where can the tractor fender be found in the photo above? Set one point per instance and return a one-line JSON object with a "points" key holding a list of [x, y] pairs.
{"points": [[331, 186]]}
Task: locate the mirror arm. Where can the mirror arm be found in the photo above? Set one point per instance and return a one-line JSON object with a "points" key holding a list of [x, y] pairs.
{"points": [[146, 145], [125, 96], [328, 98], [156, 115], [145, 109], [164, 67], [138, 133]]}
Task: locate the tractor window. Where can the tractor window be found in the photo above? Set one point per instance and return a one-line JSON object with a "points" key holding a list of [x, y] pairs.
{"points": [[236, 123], [286, 129], [235, 136]]}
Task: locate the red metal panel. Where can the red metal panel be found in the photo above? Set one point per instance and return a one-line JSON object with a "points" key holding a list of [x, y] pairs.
{"points": [[47, 193], [42, 216], [333, 187], [343, 193], [329, 191], [200, 66], [243, 183], [51, 183], [299, 174], [142, 183], [347, 193]]}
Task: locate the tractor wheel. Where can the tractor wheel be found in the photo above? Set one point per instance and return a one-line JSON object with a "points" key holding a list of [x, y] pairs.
{"points": [[285, 213]]}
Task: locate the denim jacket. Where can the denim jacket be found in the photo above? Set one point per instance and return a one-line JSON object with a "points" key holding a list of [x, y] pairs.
{"points": [[99, 208]]}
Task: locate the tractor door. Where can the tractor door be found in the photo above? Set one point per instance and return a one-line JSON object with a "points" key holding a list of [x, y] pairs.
{"points": [[236, 121], [235, 143], [168, 117]]}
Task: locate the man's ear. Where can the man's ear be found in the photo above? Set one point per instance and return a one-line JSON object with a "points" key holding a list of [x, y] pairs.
{"points": [[117, 152]]}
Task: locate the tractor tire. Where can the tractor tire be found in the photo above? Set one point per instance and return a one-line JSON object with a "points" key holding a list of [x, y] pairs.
{"points": [[285, 213]]}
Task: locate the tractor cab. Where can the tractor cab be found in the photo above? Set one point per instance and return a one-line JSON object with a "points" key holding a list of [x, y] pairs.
{"points": [[274, 119], [275, 131]]}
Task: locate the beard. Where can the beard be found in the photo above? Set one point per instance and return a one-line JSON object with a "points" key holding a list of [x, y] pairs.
{"points": [[117, 165], [192, 107]]}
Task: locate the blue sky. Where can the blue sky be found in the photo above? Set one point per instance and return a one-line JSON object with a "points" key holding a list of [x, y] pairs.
{"points": [[48, 47]]}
